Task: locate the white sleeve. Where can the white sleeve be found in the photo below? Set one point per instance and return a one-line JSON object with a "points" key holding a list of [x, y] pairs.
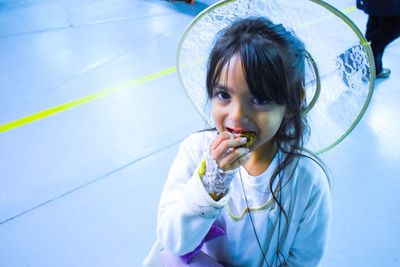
{"points": [[186, 210], [312, 232]]}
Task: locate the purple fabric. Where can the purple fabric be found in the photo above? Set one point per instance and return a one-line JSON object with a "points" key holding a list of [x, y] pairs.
{"points": [[214, 232], [200, 260]]}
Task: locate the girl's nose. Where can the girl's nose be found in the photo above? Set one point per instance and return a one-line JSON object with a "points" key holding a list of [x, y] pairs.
{"points": [[238, 114]]}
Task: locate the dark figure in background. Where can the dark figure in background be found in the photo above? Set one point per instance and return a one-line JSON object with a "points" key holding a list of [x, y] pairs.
{"points": [[186, 1], [383, 27]]}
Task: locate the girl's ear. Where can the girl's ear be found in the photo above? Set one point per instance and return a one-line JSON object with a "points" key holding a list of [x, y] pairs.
{"points": [[303, 99], [302, 94], [288, 114]]}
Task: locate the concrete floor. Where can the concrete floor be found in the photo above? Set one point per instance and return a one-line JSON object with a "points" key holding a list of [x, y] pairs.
{"points": [[80, 178]]}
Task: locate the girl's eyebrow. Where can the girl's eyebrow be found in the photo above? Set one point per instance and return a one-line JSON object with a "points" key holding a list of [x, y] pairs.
{"points": [[222, 87]]}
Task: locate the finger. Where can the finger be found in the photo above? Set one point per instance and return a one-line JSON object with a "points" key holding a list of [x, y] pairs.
{"points": [[239, 162], [242, 160], [227, 147], [227, 162], [220, 138]]}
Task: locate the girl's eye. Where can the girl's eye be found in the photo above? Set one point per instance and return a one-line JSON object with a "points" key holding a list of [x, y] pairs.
{"points": [[259, 101], [222, 95]]}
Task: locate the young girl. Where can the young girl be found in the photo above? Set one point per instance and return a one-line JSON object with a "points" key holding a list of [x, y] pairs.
{"points": [[247, 193]]}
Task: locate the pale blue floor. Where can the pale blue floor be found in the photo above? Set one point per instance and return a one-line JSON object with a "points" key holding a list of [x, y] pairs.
{"points": [[81, 187]]}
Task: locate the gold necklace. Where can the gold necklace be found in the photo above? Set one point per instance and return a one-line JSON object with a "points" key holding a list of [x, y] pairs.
{"points": [[264, 206]]}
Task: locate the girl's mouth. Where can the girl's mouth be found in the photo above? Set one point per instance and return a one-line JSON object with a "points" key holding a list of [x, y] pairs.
{"points": [[250, 135]]}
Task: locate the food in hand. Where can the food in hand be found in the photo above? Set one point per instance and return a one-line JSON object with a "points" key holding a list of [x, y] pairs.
{"points": [[251, 138]]}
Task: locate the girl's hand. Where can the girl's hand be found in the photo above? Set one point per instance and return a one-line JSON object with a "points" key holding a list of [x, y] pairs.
{"points": [[217, 170], [226, 150]]}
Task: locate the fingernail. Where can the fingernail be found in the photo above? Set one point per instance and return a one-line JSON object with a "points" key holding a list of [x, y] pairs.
{"points": [[243, 140]]}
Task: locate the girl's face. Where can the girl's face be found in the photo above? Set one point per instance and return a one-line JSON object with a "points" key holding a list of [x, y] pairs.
{"points": [[235, 109]]}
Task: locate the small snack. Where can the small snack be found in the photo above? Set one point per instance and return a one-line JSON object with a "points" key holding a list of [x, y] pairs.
{"points": [[251, 138]]}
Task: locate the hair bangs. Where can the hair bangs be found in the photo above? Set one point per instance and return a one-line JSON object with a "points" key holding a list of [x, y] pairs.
{"points": [[219, 59], [264, 72]]}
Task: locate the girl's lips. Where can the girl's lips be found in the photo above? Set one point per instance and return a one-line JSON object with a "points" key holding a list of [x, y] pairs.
{"points": [[238, 131]]}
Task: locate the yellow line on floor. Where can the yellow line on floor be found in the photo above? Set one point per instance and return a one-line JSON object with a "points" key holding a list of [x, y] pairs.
{"points": [[349, 9], [86, 99]]}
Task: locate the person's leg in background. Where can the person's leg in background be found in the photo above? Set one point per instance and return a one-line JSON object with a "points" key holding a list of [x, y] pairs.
{"points": [[380, 32]]}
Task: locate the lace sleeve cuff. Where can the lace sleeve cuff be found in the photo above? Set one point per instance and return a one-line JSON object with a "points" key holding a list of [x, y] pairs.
{"points": [[215, 180]]}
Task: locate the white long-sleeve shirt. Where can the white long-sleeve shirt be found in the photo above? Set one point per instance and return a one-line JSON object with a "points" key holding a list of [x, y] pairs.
{"points": [[186, 212]]}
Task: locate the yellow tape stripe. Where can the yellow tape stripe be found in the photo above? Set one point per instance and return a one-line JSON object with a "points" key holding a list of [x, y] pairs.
{"points": [[349, 9], [86, 99]]}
